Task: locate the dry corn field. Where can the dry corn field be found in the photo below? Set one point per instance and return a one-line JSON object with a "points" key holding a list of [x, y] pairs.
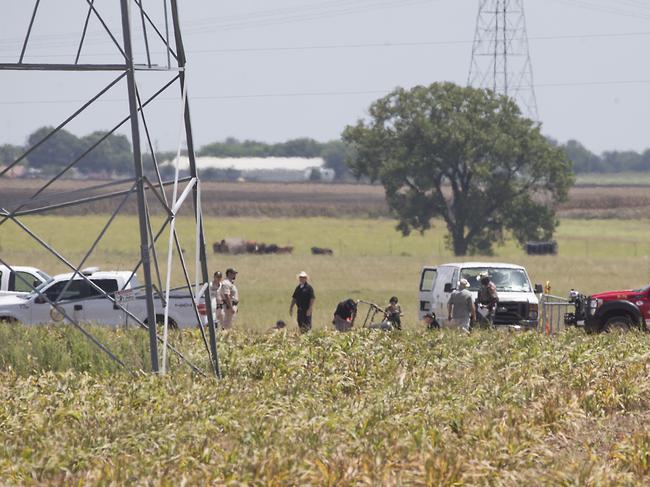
{"points": [[364, 408]]}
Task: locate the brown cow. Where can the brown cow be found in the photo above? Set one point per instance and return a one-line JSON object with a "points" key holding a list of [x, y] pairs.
{"points": [[220, 247]]}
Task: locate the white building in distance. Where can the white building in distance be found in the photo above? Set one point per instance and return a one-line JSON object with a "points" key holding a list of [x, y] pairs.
{"points": [[272, 169]]}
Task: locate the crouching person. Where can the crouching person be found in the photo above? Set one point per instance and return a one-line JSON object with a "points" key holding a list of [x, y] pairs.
{"points": [[431, 322], [461, 307], [344, 315]]}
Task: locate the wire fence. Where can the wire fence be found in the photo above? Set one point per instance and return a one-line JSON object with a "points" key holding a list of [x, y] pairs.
{"points": [[552, 312]]}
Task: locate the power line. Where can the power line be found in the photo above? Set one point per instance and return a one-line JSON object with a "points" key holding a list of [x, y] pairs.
{"points": [[608, 8], [385, 44], [315, 94]]}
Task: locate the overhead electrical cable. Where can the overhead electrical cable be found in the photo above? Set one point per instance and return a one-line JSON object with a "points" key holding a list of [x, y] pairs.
{"points": [[566, 84]]}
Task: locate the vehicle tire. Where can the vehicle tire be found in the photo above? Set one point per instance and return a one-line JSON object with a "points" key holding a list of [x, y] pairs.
{"points": [[618, 323], [8, 320], [594, 326]]}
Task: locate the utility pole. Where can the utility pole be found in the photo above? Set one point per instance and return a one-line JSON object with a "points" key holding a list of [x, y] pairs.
{"points": [[146, 183], [500, 55]]}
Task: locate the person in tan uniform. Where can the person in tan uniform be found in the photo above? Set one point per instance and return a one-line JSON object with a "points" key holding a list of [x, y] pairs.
{"points": [[230, 296]]}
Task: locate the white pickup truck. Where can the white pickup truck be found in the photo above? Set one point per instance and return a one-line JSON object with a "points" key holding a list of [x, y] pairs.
{"points": [[20, 279], [83, 303], [518, 305]]}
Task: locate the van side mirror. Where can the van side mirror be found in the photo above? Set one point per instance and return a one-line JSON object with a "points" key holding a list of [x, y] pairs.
{"points": [[40, 300], [539, 289], [448, 287]]}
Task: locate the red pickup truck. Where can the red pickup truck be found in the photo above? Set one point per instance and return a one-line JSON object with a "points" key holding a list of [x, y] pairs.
{"points": [[611, 310]]}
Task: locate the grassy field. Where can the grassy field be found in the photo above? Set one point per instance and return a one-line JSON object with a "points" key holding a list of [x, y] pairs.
{"points": [[618, 179], [371, 260], [368, 408]]}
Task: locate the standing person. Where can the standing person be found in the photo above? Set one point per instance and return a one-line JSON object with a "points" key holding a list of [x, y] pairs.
{"points": [[303, 297], [461, 307], [230, 299], [487, 298], [344, 315], [394, 313], [216, 296]]}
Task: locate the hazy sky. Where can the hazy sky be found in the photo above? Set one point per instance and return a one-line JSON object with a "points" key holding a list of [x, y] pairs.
{"points": [[276, 70]]}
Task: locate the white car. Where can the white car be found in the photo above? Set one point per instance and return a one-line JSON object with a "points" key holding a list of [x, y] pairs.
{"points": [[84, 303], [20, 279], [518, 302]]}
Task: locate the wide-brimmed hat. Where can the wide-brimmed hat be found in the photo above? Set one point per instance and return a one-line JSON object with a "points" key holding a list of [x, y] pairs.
{"points": [[463, 283], [303, 274]]}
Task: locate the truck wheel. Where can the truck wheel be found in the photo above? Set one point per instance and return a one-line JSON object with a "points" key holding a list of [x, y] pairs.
{"points": [[618, 323], [592, 328], [7, 319]]}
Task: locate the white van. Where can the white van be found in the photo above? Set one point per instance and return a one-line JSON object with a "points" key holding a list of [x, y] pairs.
{"points": [[518, 304]]}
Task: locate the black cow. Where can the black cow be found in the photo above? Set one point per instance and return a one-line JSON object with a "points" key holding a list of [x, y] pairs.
{"points": [[321, 251]]}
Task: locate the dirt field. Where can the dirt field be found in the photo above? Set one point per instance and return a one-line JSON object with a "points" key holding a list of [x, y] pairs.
{"points": [[300, 200]]}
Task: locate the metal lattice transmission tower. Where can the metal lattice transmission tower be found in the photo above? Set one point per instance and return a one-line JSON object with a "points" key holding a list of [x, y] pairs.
{"points": [[132, 51], [500, 54]]}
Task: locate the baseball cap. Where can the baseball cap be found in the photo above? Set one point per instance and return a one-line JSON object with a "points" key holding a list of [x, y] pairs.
{"points": [[463, 283], [483, 275], [231, 270], [303, 274]]}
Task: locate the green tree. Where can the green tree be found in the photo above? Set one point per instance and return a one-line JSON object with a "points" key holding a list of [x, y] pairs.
{"points": [[298, 148], [113, 154], [56, 152], [465, 155], [9, 153], [582, 158], [336, 155]]}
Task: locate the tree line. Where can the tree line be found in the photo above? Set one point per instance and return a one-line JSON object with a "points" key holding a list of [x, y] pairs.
{"points": [[443, 152], [98, 152], [585, 161], [113, 155]]}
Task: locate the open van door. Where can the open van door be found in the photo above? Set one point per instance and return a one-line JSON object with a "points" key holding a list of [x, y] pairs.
{"points": [[427, 283]]}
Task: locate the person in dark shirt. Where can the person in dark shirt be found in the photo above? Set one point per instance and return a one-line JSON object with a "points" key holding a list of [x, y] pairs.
{"points": [[487, 300], [346, 312], [303, 297], [394, 313]]}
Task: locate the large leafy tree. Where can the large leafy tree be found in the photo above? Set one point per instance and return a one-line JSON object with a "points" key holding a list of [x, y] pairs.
{"points": [[465, 155], [113, 154], [57, 151]]}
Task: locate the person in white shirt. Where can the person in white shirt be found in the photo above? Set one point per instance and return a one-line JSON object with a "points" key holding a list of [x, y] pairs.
{"points": [[230, 297], [461, 307]]}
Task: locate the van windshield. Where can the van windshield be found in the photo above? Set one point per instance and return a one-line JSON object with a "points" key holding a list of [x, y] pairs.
{"points": [[507, 280]]}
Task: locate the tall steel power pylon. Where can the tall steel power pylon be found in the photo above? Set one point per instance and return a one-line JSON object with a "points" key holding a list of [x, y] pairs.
{"points": [[500, 54], [124, 26]]}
